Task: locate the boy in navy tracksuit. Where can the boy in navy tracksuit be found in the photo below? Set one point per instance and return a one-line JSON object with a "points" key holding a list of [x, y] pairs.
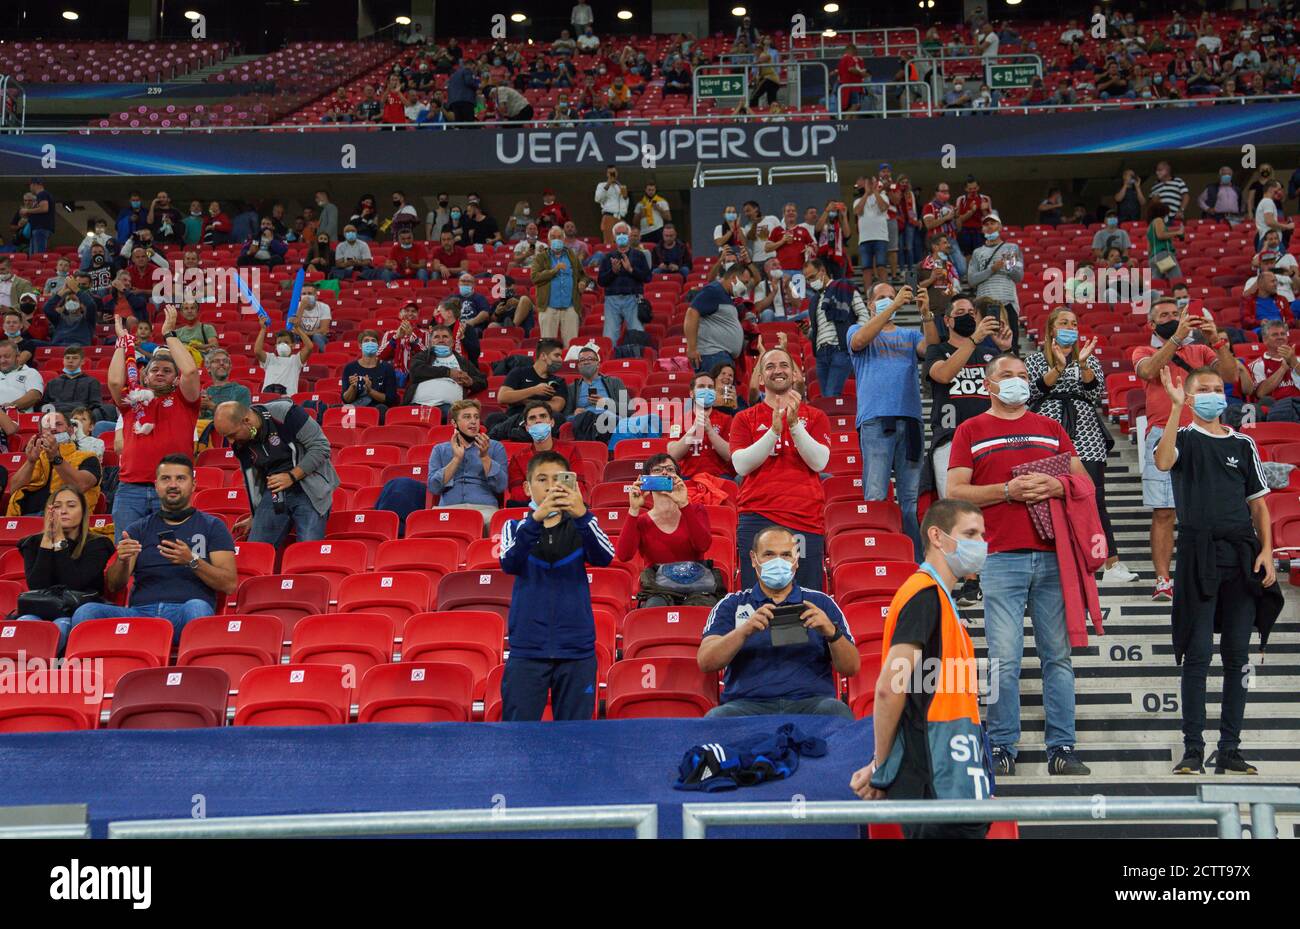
{"points": [[552, 630]]}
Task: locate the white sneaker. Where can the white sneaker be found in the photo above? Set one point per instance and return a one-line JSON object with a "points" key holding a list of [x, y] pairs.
{"points": [[1118, 574]]}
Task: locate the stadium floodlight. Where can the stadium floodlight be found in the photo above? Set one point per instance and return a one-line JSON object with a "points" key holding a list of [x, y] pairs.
{"points": [[624, 15], [71, 15], [829, 33], [193, 15], [831, 8], [1013, 2], [518, 18], [403, 20], [738, 11]]}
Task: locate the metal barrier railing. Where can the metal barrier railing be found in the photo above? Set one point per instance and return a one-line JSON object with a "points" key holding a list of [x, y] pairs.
{"points": [[51, 831], [643, 818], [880, 91], [1264, 803], [861, 39], [697, 817]]}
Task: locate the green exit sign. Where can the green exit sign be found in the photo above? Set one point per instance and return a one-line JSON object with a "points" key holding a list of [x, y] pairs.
{"points": [[1002, 77], [720, 85]]}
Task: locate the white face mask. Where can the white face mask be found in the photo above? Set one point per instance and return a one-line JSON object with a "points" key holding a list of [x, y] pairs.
{"points": [[284, 351]]}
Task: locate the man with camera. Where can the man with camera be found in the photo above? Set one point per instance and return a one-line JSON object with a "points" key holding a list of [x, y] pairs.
{"points": [[779, 642], [178, 558], [285, 458]]}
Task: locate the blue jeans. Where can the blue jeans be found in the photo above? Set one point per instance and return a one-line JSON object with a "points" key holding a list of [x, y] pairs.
{"points": [[833, 369], [812, 706], [769, 316], [958, 259], [178, 614], [132, 503], [708, 361], [319, 342], [270, 526], [620, 309], [911, 246], [884, 455], [1011, 581], [40, 241]]}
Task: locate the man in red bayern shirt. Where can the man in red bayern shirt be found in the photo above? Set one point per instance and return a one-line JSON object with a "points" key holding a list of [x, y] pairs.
{"points": [[794, 245], [1021, 569], [155, 426], [780, 447]]}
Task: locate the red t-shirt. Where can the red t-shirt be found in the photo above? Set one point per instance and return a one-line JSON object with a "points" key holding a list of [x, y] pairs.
{"points": [[173, 419], [690, 541], [1263, 369], [991, 447], [1158, 403], [518, 469], [976, 219], [702, 459], [452, 260], [935, 208], [792, 242], [143, 278], [783, 489]]}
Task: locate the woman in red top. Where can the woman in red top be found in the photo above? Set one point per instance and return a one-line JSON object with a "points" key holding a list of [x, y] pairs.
{"points": [[394, 103], [670, 530], [216, 226]]}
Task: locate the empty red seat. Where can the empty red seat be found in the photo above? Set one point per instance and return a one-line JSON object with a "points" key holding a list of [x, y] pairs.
{"points": [[416, 692], [222, 501], [483, 553], [862, 686], [357, 641], [33, 638], [170, 698], [332, 559], [122, 644], [401, 435], [49, 700], [13, 529], [869, 545], [659, 687], [369, 526], [289, 597], [254, 559], [472, 638], [664, 631], [293, 695], [862, 580], [396, 594], [862, 514], [432, 558], [476, 590], [866, 618], [234, 643]]}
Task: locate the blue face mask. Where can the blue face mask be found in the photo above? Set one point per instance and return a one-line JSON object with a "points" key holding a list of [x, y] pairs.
{"points": [[1112, 220], [1225, 178], [70, 372], [622, 239], [1013, 391], [991, 236], [729, 217], [466, 290], [370, 348], [705, 396], [350, 236], [1209, 406], [882, 304], [442, 351], [455, 214], [539, 432], [1066, 337], [776, 574], [968, 558], [557, 245]]}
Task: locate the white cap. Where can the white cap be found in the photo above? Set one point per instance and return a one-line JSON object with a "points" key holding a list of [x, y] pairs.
{"points": [[993, 214]]}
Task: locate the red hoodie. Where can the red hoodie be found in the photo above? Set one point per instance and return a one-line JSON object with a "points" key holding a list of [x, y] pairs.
{"points": [[1080, 551]]}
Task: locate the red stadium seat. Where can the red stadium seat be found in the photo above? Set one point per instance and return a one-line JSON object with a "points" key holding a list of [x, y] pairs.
{"points": [[170, 698], [866, 545], [13, 529], [223, 500], [49, 700], [415, 471], [492, 695], [395, 594], [862, 686], [664, 631], [34, 638], [866, 618], [431, 557], [351, 417], [122, 643], [416, 692], [861, 580], [611, 588], [293, 695], [1004, 829], [403, 436], [218, 458], [843, 488], [376, 457], [254, 559], [233, 643], [863, 514], [12, 567], [472, 590], [350, 640], [372, 527], [332, 559], [483, 553], [659, 687], [465, 526], [503, 516], [639, 448], [423, 416], [472, 638], [289, 597]]}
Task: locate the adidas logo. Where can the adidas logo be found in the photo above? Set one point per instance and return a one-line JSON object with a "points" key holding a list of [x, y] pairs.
{"points": [[1232, 462]]}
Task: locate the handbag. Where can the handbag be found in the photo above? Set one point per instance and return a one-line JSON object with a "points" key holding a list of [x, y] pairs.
{"points": [[685, 577], [1041, 513], [1165, 262], [53, 602]]}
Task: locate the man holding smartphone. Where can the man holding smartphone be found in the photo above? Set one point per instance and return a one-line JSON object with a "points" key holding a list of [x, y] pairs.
{"points": [[551, 626], [778, 642], [468, 470]]}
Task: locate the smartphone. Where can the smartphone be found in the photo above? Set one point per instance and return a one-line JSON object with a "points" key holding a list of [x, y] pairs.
{"points": [[567, 479], [787, 626], [991, 312], [166, 535], [656, 482]]}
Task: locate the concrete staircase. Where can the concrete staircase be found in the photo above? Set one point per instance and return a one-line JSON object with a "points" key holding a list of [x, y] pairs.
{"points": [[200, 75], [1128, 696]]}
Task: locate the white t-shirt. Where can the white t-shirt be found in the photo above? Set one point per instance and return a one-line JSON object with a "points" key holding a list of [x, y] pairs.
{"points": [[316, 319], [1266, 208], [873, 221], [759, 251], [7, 289], [282, 371], [1070, 35], [17, 382], [991, 47], [1211, 43], [1284, 286], [439, 390], [526, 251]]}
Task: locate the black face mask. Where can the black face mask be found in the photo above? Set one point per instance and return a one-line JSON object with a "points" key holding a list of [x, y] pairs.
{"points": [[964, 326], [177, 516], [859, 191], [1166, 330]]}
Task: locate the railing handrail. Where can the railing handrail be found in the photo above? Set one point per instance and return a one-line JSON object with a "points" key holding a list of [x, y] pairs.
{"points": [[643, 818], [839, 98], [853, 33], [697, 817], [46, 831]]}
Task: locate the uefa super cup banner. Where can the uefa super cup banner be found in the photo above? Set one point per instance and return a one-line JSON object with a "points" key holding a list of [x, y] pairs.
{"points": [[483, 149]]}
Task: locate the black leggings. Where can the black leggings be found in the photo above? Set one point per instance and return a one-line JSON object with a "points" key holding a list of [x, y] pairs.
{"points": [[1238, 609], [766, 88], [1097, 471]]}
